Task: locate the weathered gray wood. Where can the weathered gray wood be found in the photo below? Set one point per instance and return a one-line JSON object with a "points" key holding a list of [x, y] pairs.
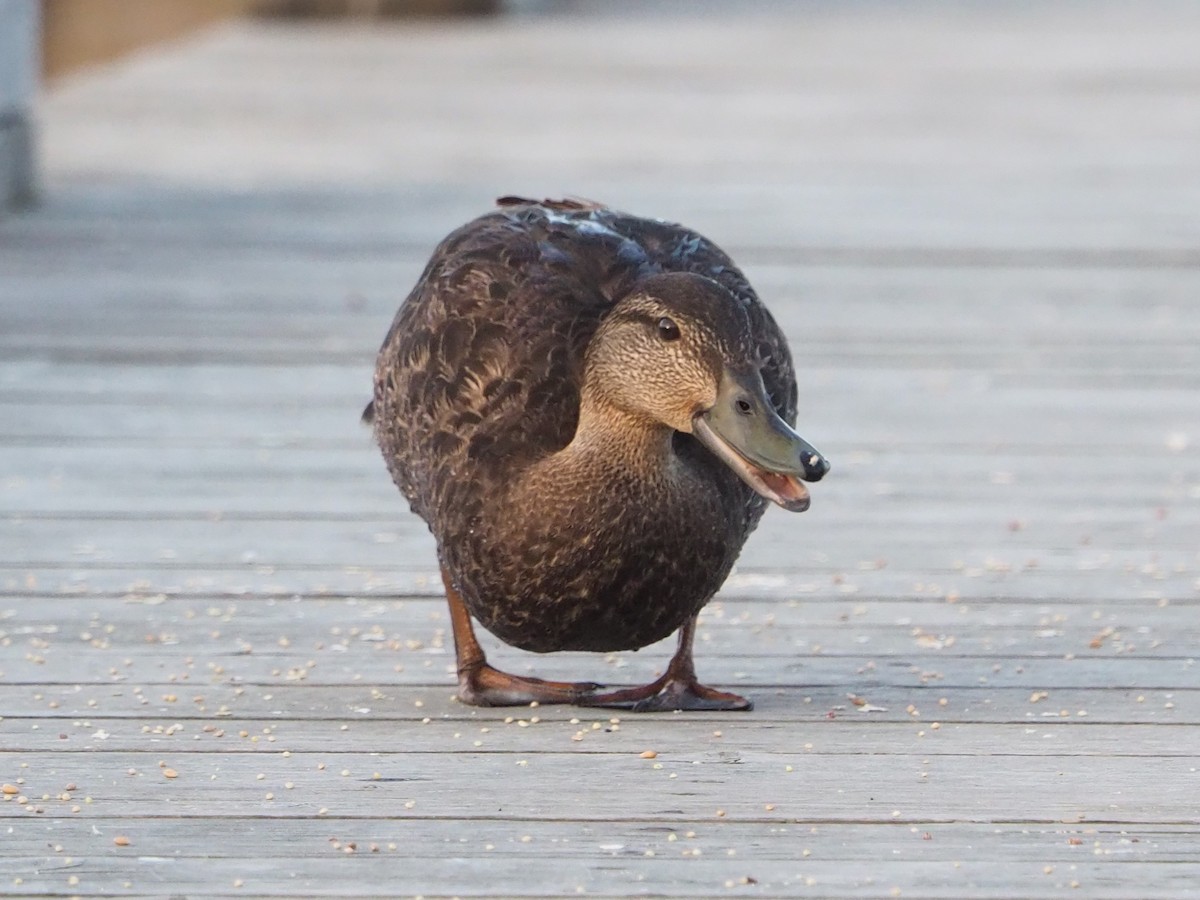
{"points": [[207, 705], [763, 636], [793, 671], [65, 621], [1095, 581], [977, 226], [288, 838], [883, 514], [675, 876], [545, 785], [832, 729]]}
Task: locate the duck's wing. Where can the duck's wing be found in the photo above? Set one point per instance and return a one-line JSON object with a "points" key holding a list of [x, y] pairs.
{"points": [[481, 371]]}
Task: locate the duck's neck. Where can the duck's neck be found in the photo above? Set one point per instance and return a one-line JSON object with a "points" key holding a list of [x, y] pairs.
{"points": [[635, 443], [614, 458]]}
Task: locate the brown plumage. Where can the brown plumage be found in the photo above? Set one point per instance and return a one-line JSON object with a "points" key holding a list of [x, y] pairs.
{"points": [[538, 401]]}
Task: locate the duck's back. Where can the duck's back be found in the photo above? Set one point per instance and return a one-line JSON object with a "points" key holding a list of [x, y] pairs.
{"points": [[480, 372]]}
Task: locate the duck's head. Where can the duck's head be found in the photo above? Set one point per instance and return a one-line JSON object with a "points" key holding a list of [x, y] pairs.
{"points": [[679, 350]]}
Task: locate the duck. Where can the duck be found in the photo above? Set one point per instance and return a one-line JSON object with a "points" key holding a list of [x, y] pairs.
{"points": [[591, 411]]}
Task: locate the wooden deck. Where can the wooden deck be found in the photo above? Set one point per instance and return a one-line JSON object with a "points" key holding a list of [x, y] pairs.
{"points": [[223, 654]]}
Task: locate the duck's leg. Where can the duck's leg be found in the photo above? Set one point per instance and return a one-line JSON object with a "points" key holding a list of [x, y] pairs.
{"points": [[481, 685], [678, 687]]}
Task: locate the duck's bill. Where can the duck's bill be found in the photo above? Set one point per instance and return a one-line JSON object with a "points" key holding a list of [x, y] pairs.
{"points": [[746, 434]]}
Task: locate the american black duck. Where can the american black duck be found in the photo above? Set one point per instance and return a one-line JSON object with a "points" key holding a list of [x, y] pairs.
{"points": [[591, 411]]}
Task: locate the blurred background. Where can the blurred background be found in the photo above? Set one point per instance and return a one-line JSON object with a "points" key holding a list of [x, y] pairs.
{"points": [[77, 33]]}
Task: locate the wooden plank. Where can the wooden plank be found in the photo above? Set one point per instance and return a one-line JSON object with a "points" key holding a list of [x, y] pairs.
{"points": [[1080, 565], [429, 695], [381, 246], [1149, 417], [1106, 854], [1103, 585], [789, 673], [887, 497], [742, 630], [126, 618], [206, 554], [218, 838], [372, 876], [344, 319], [893, 787], [1026, 730]]}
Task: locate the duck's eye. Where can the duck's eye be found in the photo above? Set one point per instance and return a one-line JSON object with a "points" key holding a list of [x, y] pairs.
{"points": [[667, 329]]}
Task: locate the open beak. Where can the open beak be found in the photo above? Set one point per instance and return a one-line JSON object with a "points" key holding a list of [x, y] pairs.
{"points": [[746, 434]]}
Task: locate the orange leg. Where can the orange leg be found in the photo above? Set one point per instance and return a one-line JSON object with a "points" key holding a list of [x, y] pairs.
{"points": [[481, 685], [677, 689]]}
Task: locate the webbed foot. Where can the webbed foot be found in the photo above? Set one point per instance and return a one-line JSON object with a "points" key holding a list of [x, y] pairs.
{"points": [[677, 689], [668, 694], [482, 685]]}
